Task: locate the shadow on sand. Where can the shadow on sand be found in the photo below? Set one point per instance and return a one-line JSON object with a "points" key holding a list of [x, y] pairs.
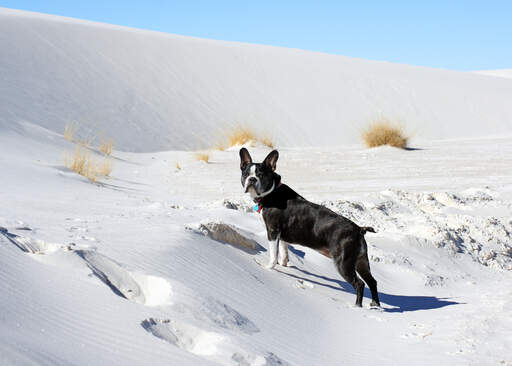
{"points": [[401, 303]]}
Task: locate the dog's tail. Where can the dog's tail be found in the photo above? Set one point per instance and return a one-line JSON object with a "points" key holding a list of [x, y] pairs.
{"points": [[365, 229]]}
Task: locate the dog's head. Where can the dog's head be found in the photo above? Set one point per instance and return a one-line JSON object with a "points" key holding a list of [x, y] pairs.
{"points": [[258, 179]]}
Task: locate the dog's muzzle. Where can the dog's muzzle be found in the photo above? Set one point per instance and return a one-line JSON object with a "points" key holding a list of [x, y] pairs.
{"points": [[251, 183]]}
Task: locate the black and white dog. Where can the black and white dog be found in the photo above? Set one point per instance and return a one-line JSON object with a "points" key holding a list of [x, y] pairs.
{"points": [[289, 218]]}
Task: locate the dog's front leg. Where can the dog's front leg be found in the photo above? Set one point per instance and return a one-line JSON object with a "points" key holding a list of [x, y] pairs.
{"points": [[283, 253], [273, 245]]}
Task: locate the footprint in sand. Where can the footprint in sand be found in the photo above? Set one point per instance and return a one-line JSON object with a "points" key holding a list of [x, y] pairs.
{"points": [[152, 290], [143, 289], [113, 275], [29, 245], [224, 316], [213, 346]]}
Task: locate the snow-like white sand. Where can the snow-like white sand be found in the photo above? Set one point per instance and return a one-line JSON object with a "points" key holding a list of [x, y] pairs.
{"points": [[119, 271], [176, 92], [503, 73]]}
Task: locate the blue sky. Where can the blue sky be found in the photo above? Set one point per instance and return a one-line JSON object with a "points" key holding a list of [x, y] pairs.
{"points": [[458, 35]]}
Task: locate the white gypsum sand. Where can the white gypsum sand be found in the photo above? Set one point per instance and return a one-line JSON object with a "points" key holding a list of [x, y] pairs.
{"points": [[148, 291]]}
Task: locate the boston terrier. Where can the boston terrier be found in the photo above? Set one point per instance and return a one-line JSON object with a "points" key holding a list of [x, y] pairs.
{"points": [[290, 218]]}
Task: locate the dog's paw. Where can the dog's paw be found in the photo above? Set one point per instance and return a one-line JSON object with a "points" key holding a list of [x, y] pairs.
{"points": [[270, 266], [374, 305]]}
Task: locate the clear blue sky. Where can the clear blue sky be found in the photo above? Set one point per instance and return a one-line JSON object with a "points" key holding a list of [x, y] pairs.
{"points": [[459, 35]]}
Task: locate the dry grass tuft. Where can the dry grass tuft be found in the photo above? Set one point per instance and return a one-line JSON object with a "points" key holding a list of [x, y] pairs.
{"points": [[202, 156], [106, 146], [383, 132], [267, 141], [70, 130], [220, 146], [105, 167], [83, 164], [241, 136]]}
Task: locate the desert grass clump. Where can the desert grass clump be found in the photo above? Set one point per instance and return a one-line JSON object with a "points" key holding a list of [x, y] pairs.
{"points": [[70, 130], [220, 146], [267, 141], [241, 136], [105, 167], [106, 146], [202, 156], [383, 132], [83, 164]]}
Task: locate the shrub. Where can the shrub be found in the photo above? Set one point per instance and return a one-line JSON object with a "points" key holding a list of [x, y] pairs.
{"points": [[383, 132]]}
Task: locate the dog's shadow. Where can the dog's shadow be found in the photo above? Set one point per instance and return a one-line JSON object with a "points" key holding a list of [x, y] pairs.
{"points": [[400, 303]]}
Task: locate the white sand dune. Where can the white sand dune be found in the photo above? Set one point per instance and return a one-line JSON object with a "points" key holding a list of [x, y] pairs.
{"points": [[503, 73], [145, 289], [175, 92]]}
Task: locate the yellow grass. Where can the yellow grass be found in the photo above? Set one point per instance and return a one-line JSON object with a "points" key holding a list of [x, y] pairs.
{"points": [[105, 167], [178, 166], [106, 146], [202, 156], [220, 146], [70, 130], [241, 136], [383, 132], [267, 141], [83, 164], [89, 140]]}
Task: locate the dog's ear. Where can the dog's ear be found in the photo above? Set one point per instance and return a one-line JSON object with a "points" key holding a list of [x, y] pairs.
{"points": [[245, 158], [271, 160]]}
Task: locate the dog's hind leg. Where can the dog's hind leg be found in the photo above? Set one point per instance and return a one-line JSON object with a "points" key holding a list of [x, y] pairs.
{"points": [[346, 268], [363, 268]]}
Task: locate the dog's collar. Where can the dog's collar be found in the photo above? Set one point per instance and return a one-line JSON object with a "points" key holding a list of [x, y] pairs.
{"points": [[266, 193], [258, 200], [258, 208]]}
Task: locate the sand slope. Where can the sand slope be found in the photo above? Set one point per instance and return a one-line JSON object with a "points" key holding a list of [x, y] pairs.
{"points": [[175, 92]]}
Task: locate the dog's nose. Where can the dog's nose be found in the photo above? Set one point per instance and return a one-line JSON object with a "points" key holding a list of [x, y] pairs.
{"points": [[252, 180]]}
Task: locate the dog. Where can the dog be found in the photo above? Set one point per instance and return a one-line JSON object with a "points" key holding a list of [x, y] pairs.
{"points": [[290, 218]]}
